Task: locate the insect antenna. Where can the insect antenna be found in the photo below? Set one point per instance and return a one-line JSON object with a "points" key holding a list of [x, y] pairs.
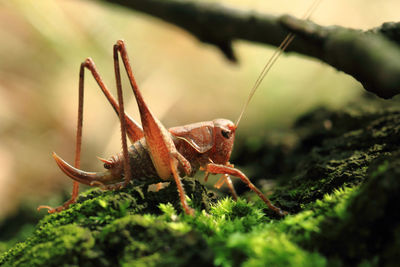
{"points": [[271, 61]]}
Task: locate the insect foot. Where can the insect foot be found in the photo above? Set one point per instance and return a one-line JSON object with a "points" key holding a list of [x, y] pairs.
{"points": [[223, 169]]}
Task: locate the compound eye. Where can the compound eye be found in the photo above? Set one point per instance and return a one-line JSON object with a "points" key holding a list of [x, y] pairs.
{"points": [[225, 134]]}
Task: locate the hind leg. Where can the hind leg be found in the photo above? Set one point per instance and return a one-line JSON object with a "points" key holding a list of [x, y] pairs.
{"points": [[134, 131], [164, 154]]}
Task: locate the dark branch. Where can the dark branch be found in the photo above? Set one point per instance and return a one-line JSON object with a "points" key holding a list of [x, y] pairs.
{"points": [[371, 57]]}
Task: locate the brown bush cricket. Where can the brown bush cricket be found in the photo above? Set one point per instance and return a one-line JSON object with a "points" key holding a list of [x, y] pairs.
{"points": [[157, 152]]}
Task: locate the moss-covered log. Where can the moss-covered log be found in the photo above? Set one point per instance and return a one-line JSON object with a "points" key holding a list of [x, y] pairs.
{"points": [[340, 184]]}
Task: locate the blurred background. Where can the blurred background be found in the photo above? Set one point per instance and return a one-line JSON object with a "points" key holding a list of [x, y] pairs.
{"points": [[183, 81]]}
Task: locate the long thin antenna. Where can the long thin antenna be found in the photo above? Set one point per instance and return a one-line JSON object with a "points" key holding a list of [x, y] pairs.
{"points": [[271, 61]]}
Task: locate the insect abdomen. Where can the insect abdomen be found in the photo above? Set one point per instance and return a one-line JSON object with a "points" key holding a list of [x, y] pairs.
{"points": [[140, 162], [142, 166]]}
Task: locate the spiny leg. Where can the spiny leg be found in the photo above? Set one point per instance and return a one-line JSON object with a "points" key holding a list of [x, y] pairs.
{"points": [[217, 168], [134, 131], [158, 139], [78, 147], [225, 178], [127, 169], [181, 190]]}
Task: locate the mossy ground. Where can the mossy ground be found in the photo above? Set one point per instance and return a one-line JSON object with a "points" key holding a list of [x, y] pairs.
{"points": [[340, 185]]}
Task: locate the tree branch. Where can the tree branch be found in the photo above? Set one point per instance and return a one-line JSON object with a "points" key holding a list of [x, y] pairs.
{"points": [[371, 57]]}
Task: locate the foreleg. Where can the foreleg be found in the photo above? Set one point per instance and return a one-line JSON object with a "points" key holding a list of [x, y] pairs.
{"points": [[225, 178], [134, 130]]}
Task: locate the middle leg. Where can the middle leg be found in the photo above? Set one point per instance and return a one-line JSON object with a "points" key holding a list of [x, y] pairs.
{"points": [[225, 178]]}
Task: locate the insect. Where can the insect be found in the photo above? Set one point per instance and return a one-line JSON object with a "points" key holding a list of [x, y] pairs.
{"points": [[157, 152]]}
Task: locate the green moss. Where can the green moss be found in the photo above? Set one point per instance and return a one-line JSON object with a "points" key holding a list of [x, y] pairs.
{"points": [[18, 226], [78, 233], [270, 248], [369, 225], [342, 196], [230, 234], [69, 244], [329, 157], [141, 240]]}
